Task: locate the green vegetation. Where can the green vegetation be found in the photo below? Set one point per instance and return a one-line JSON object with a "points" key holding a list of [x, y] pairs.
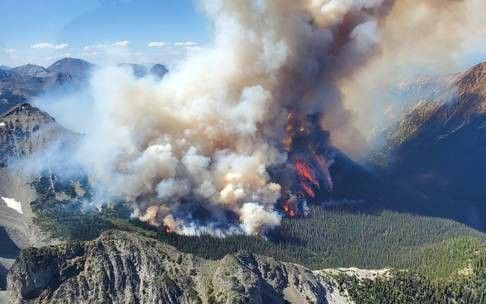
{"points": [[334, 236], [404, 287], [69, 218]]}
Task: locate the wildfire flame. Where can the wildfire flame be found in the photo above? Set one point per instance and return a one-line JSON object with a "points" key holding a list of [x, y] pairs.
{"points": [[289, 208], [307, 145]]}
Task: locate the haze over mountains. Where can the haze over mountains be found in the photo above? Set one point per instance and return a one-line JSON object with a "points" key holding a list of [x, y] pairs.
{"points": [[25, 82]]}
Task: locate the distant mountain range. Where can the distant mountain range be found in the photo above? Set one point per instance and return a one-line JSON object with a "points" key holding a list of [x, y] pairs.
{"points": [[22, 83]]}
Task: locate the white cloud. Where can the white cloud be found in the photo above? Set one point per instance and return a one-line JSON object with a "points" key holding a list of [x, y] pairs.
{"points": [[123, 43], [186, 44], [46, 45], [94, 47], [156, 44], [8, 51]]}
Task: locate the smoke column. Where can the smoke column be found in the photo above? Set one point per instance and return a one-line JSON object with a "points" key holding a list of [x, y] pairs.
{"points": [[191, 152]]}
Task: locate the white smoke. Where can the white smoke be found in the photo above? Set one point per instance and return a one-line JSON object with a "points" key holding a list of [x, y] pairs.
{"points": [[208, 131]]}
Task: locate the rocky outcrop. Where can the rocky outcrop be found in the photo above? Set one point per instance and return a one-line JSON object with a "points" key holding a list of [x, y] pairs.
{"points": [[25, 130], [122, 267]]}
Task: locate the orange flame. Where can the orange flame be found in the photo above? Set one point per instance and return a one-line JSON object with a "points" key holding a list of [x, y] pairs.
{"points": [[308, 190], [289, 209], [305, 173]]}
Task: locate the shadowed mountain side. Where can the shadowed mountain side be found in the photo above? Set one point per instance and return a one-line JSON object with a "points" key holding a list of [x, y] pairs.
{"points": [[438, 150]]}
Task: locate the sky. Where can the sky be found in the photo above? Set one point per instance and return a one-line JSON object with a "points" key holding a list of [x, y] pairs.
{"points": [[41, 31], [114, 31]]}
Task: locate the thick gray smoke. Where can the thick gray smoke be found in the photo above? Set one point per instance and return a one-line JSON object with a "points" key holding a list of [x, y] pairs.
{"points": [[197, 144]]}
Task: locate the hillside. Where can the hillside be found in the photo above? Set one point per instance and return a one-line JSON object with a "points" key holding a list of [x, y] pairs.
{"points": [[122, 267], [439, 147], [118, 267], [24, 131]]}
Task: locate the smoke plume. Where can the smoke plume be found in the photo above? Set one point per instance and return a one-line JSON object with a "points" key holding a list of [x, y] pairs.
{"points": [[191, 153]]}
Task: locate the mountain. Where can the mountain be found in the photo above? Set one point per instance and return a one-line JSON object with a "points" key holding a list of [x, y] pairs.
{"points": [[439, 147], [78, 69], [25, 130], [121, 267], [21, 84], [4, 67], [138, 70], [15, 89], [158, 70], [440, 144], [30, 70]]}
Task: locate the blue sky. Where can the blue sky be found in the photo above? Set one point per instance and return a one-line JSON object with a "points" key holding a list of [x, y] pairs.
{"points": [[40, 31], [138, 31]]}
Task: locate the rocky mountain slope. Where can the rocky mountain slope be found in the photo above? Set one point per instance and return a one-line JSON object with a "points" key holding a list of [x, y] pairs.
{"points": [[439, 147], [441, 142], [30, 70], [24, 130], [77, 69], [121, 267]]}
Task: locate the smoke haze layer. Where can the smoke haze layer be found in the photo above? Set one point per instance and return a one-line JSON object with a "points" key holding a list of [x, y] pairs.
{"points": [[191, 152]]}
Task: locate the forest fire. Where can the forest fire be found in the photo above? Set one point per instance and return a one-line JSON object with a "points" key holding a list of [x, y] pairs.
{"points": [[306, 178], [310, 156], [289, 209]]}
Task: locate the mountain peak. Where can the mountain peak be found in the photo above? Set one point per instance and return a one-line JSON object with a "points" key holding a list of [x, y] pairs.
{"points": [[473, 79], [26, 109], [159, 70], [31, 70], [77, 68]]}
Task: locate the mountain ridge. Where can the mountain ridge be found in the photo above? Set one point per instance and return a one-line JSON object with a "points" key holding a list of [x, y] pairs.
{"points": [[120, 267]]}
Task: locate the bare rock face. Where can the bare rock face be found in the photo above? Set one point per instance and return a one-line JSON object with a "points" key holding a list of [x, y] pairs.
{"points": [[25, 130], [121, 267]]}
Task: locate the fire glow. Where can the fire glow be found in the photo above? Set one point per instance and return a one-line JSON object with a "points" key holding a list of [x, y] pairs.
{"points": [[306, 178]]}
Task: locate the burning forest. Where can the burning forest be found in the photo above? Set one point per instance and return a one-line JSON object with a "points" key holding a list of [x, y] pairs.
{"points": [[238, 135]]}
